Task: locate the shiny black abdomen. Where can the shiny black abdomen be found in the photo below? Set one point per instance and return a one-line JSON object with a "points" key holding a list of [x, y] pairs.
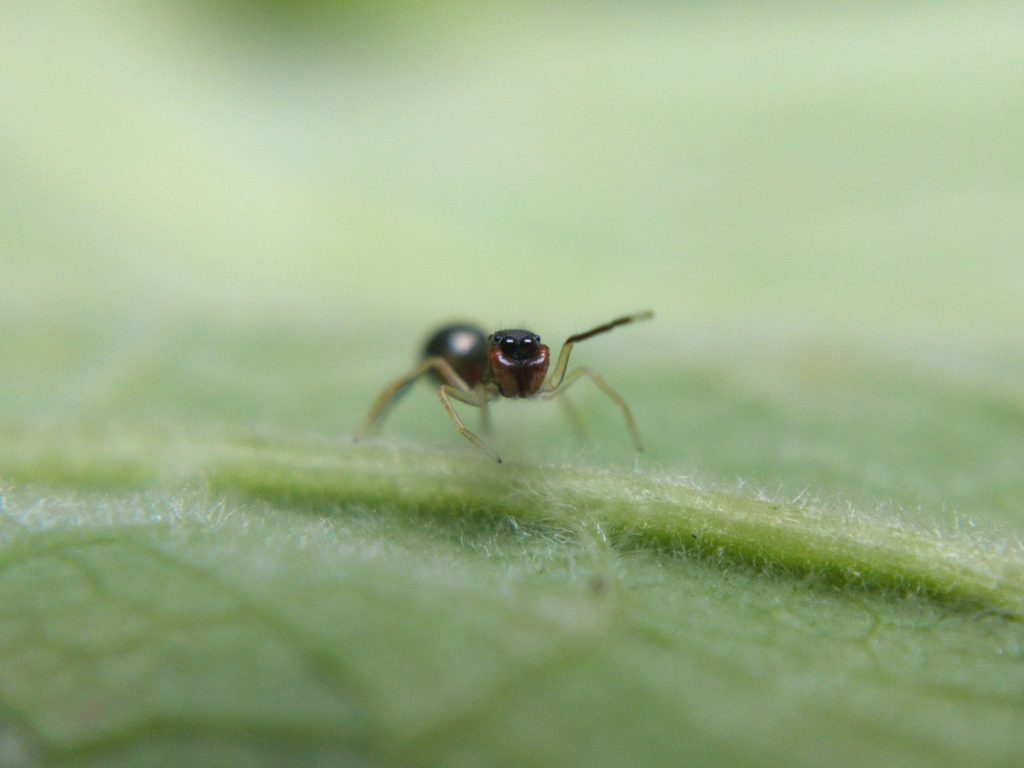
{"points": [[464, 347]]}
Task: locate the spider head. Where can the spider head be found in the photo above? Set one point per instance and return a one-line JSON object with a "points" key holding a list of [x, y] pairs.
{"points": [[519, 362]]}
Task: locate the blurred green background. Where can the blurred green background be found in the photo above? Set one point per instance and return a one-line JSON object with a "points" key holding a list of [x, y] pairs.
{"points": [[247, 215], [252, 212]]}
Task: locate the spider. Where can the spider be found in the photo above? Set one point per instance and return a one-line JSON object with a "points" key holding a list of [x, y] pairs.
{"points": [[474, 369]]}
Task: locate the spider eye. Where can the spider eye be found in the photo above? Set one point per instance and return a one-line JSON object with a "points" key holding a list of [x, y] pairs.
{"points": [[527, 344], [537, 339], [508, 344]]}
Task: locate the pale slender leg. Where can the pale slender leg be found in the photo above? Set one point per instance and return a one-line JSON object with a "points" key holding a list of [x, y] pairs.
{"points": [[576, 375], [558, 372], [400, 386], [477, 398], [485, 408], [573, 417]]}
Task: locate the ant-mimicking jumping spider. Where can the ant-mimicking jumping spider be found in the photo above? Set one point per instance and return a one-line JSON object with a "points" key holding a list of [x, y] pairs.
{"points": [[474, 369]]}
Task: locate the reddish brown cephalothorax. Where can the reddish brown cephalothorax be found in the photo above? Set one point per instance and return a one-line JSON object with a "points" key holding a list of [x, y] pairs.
{"points": [[518, 362], [475, 369]]}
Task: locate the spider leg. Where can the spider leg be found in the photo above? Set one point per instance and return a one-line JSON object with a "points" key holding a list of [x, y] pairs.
{"points": [[396, 389], [485, 408], [572, 415], [579, 373], [558, 372], [476, 398]]}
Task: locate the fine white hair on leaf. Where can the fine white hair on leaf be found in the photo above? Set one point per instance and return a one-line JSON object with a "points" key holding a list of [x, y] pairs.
{"points": [[878, 548]]}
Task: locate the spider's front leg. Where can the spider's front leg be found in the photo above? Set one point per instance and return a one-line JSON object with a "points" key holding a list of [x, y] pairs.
{"points": [[558, 373], [559, 382]]}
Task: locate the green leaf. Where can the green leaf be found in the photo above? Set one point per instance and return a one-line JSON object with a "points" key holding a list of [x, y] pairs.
{"points": [[323, 602], [222, 232]]}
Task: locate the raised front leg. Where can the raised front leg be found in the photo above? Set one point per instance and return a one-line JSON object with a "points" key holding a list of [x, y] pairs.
{"points": [[555, 380]]}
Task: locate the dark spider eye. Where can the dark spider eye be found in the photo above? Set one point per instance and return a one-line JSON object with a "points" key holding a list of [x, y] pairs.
{"points": [[527, 344], [537, 339], [508, 345], [495, 339]]}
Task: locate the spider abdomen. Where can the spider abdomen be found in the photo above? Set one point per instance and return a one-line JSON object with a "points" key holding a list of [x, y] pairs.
{"points": [[464, 348]]}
